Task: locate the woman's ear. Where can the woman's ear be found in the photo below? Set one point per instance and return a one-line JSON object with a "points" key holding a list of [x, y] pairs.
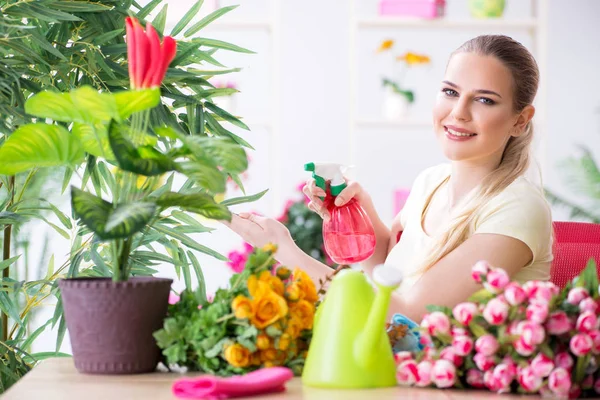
{"points": [[522, 120]]}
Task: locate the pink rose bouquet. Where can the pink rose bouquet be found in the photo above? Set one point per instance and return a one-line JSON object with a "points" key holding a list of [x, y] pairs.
{"points": [[531, 338]]}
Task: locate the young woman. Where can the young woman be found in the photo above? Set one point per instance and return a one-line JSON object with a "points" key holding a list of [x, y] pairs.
{"points": [[479, 206]]}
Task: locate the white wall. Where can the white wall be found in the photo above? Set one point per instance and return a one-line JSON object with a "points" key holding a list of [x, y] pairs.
{"points": [[298, 95]]}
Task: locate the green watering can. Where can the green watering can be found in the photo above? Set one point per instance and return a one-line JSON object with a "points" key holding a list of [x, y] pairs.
{"points": [[350, 348]]}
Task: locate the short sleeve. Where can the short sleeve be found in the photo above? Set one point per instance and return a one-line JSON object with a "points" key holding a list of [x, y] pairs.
{"points": [[521, 213]]}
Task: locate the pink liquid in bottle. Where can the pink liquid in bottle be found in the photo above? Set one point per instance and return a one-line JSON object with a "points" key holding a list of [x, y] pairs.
{"points": [[348, 236]]}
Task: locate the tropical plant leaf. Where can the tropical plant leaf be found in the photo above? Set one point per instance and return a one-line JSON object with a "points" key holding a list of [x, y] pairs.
{"points": [[110, 222], [8, 262], [199, 203], [207, 20], [243, 199], [187, 18], [161, 18], [205, 174], [131, 101], [39, 145], [219, 44], [145, 160], [226, 153], [225, 115]]}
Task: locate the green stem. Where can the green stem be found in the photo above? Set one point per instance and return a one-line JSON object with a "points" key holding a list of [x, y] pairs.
{"points": [[124, 258], [6, 254], [27, 180]]}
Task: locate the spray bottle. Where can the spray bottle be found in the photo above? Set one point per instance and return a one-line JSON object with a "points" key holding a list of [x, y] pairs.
{"points": [[348, 235]]}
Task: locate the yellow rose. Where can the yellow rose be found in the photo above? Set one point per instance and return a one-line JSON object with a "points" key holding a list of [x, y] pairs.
{"points": [[294, 327], [273, 281], [293, 292], [284, 342], [263, 341], [268, 355], [283, 273], [307, 286], [304, 311], [255, 358], [270, 247], [237, 355], [242, 307], [268, 306]]}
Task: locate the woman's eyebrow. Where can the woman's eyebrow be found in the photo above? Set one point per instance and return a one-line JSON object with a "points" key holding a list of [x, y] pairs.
{"points": [[482, 91]]}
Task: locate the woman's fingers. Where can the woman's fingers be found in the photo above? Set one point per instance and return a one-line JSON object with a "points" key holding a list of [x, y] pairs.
{"points": [[319, 209], [347, 194]]}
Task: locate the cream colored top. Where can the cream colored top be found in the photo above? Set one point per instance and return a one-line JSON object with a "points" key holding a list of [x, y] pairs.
{"points": [[519, 211]]}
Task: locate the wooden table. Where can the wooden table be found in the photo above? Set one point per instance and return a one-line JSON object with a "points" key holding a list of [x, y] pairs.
{"points": [[57, 379]]}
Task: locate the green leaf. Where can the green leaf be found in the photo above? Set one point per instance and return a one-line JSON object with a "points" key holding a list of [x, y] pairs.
{"points": [[243, 199], [187, 17], [93, 139], [78, 6], [478, 330], [218, 130], [205, 174], [131, 101], [143, 13], [443, 309], [46, 14], [207, 20], [9, 307], [218, 44], [589, 277], [61, 216], [482, 296], [43, 355], [108, 36], [201, 290], [145, 160], [8, 262], [39, 145], [225, 115], [159, 22], [189, 242], [226, 153], [41, 41], [11, 218], [199, 203], [108, 222]]}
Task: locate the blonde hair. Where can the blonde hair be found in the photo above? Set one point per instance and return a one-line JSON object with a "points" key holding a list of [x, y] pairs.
{"points": [[515, 158]]}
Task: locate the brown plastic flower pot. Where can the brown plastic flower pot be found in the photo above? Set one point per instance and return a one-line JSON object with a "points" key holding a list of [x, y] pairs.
{"points": [[111, 323]]}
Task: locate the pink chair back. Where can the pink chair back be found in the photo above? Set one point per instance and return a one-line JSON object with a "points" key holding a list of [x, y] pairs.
{"points": [[574, 244]]}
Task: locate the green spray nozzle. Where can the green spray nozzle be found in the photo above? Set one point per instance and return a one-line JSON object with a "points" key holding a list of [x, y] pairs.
{"points": [[323, 172]]}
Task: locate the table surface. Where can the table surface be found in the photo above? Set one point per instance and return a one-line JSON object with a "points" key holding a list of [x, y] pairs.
{"points": [[57, 379]]}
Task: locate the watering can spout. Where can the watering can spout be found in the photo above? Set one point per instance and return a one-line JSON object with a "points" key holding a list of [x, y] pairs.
{"points": [[387, 279]]}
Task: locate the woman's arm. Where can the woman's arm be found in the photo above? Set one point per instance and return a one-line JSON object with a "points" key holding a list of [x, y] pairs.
{"points": [[449, 281]]}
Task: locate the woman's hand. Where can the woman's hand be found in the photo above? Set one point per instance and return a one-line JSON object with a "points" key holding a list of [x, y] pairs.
{"points": [[259, 231], [314, 194]]}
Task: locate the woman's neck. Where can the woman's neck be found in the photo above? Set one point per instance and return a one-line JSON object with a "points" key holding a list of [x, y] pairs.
{"points": [[465, 177]]}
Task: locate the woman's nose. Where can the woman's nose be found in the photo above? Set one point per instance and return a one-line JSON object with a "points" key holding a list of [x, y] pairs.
{"points": [[461, 110]]}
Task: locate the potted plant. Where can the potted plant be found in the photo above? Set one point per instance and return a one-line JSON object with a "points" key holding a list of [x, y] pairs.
{"points": [[111, 320], [397, 99]]}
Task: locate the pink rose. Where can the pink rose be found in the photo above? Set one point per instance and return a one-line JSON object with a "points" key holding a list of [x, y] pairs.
{"points": [[597, 386], [581, 344], [511, 329], [576, 295], [495, 312], [529, 380], [514, 294], [425, 339], [464, 312], [436, 322], [480, 271], [531, 332], [595, 335], [407, 373], [560, 381], [487, 345], [424, 373], [558, 323], [443, 374], [587, 322], [449, 354], [537, 312], [462, 345], [496, 280], [454, 331], [483, 362], [523, 348], [503, 375], [402, 356], [542, 365], [489, 381], [563, 360], [588, 304], [173, 298], [509, 362], [475, 378]]}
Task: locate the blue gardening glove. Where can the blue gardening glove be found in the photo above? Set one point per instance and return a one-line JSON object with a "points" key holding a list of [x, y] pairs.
{"points": [[410, 342]]}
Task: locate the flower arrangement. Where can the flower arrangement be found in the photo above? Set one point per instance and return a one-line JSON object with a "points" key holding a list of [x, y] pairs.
{"points": [[263, 319], [407, 60], [533, 338]]}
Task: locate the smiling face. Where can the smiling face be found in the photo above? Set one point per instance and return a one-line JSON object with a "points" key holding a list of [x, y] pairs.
{"points": [[474, 113]]}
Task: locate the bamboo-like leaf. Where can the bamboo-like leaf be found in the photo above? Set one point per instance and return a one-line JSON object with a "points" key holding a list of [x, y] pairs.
{"points": [[159, 22], [219, 44], [218, 130], [8, 262], [39, 145], [11, 218], [108, 36], [201, 290], [131, 101], [210, 73], [187, 18], [192, 222], [148, 8], [199, 203], [44, 355], [35, 10], [189, 242], [236, 179], [44, 44], [225, 115], [9, 307], [108, 222], [78, 6], [144, 160], [207, 20], [243, 199]]}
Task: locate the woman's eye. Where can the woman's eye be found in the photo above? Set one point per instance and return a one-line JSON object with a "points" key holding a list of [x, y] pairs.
{"points": [[486, 101], [450, 92]]}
